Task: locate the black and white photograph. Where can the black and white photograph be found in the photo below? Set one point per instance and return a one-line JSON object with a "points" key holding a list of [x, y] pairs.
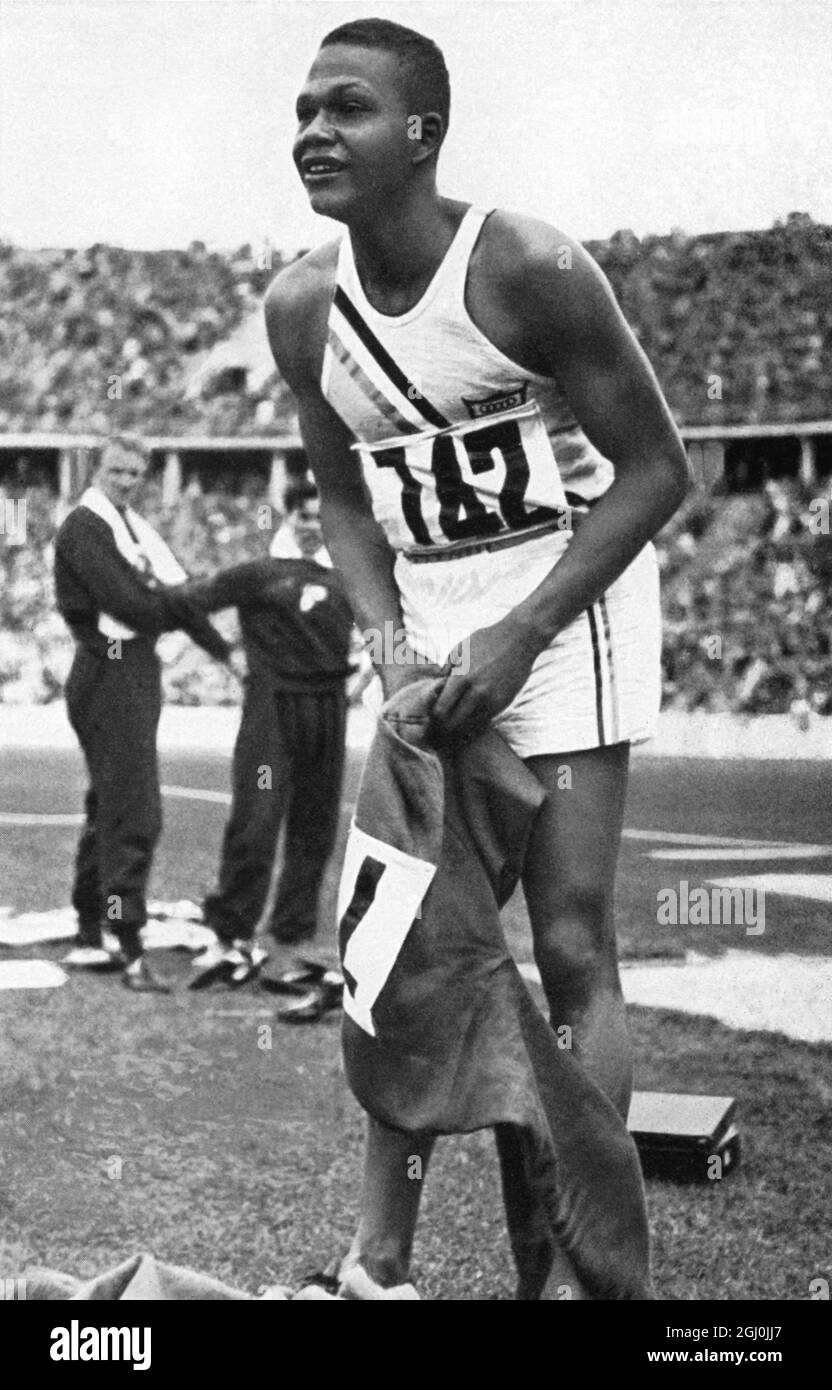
{"points": [[416, 662]]}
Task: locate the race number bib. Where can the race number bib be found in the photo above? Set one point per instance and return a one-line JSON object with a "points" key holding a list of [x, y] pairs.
{"points": [[468, 481], [379, 899]]}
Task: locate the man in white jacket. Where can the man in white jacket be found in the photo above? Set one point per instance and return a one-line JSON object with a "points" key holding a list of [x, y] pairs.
{"points": [[116, 585]]}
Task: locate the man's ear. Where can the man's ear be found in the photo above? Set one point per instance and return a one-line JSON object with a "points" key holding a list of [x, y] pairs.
{"points": [[427, 133]]}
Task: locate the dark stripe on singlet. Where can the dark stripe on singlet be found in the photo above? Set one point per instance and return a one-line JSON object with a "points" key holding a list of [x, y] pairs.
{"points": [[343, 302]]}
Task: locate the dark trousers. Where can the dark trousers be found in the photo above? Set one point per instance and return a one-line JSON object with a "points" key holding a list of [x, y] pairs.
{"points": [[287, 770], [114, 706]]}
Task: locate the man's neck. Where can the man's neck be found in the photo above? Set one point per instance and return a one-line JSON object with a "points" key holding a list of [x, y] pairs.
{"points": [[119, 506], [405, 249]]}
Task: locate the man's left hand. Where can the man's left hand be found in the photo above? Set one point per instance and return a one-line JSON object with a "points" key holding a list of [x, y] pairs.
{"points": [[481, 678]]}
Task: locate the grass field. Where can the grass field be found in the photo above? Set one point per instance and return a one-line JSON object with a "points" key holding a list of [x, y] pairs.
{"points": [[131, 1123]]}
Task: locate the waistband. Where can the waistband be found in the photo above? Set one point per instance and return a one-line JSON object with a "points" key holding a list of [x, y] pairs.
{"points": [[564, 520]]}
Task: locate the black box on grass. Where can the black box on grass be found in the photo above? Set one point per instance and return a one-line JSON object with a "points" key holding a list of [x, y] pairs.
{"points": [[680, 1136]]}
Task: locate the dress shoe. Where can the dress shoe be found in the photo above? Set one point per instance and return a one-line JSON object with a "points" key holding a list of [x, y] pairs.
{"points": [[321, 999], [139, 978], [251, 962], [298, 979], [215, 966]]}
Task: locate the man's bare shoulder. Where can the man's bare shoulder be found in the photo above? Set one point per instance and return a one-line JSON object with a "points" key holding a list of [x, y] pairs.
{"points": [[542, 275], [515, 246], [299, 284], [297, 307]]}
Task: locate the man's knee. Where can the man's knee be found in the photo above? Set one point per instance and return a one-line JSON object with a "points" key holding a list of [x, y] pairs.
{"points": [[574, 945]]}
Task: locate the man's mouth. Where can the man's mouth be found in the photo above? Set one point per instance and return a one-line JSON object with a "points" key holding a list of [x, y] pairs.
{"points": [[315, 167]]}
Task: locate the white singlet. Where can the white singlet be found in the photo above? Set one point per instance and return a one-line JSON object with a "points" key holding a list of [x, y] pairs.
{"points": [[474, 461]]}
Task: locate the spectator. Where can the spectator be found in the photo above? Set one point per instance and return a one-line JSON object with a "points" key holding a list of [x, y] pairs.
{"points": [[114, 577], [288, 761]]}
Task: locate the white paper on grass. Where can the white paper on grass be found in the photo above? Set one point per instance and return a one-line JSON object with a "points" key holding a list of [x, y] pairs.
{"points": [[32, 928], [171, 926], [31, 974], [375, 944]]}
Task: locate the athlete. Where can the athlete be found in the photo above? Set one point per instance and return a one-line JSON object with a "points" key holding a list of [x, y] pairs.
{"points": [[494, 455]]}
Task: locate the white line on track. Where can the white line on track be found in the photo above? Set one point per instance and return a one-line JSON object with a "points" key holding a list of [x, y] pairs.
{"points": [[29, 818], [702, 847], [198, 794], [33, 818], [678, 837], [816, 887], [768, 853]]}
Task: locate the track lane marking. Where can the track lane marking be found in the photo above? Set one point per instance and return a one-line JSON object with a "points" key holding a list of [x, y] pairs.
{"points": [[814, 887], [768, 853], [60, 818]]}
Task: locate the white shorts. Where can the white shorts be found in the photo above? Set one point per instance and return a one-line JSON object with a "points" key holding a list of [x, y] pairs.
{"points": [[597, 683]]}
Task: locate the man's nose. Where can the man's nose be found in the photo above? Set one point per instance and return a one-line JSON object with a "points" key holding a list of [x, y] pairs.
{"points": [[317, 132]]}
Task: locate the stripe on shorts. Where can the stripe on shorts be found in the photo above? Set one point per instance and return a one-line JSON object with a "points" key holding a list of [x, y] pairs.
{"points": [[615, 717], [599, 684]]}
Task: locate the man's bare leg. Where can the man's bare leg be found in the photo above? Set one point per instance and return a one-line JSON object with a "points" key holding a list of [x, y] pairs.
{"points": [[568, 882], [394, 1169]]}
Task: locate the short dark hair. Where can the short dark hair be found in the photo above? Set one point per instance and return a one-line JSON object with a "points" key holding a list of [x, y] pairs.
{"points": [[298, 493], [420, 60]]}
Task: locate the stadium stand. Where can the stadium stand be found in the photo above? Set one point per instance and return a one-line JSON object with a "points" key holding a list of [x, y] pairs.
{"points": [[738, 327]]}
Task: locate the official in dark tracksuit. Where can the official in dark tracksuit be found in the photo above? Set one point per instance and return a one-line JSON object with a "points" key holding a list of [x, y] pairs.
{"points": [[288, 762], [111, 576]]}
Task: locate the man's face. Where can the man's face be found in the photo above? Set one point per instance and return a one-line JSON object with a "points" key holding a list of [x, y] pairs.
{"points": [[120, 474], [306, 527], [352, 149]]}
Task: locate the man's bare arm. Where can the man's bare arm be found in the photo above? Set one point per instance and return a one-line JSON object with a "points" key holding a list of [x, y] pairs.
{"points": [[612, 389], [581, 337], [295, 319]]}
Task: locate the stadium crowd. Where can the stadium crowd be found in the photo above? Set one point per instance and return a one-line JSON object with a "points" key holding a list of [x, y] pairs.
{"points": [[751, 308], [746, 592], [737, 325]]}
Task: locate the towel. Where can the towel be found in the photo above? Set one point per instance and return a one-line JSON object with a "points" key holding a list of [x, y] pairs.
{"points": [[440, 1033], [144, 550]]}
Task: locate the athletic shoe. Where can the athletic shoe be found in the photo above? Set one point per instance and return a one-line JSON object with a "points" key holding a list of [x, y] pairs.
{"points": [[95, 958], [139, 978]]}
